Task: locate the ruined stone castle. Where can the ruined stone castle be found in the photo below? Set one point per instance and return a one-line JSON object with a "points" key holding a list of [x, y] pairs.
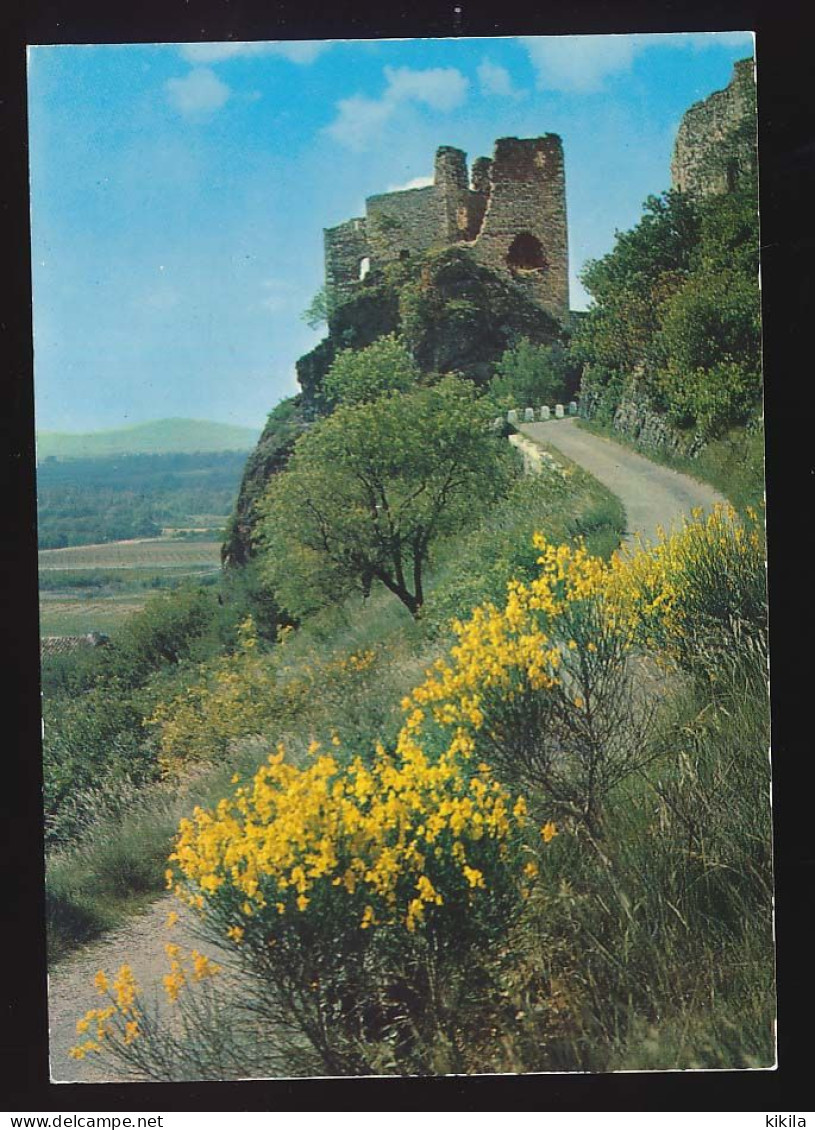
{"points": [[715, 145], [511, 212]]}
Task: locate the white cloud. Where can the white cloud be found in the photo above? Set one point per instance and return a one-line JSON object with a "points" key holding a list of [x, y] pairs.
{"points": [[577, 62], [416, 182], [295, 50], [495, 79], [359, 119], [442, 88], [582, 63], [200, 93]]}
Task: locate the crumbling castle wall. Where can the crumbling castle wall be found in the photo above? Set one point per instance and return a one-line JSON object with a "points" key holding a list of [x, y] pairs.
{"points": [[512, 214], [524, 227], [346, 247], [715, 145], [400, 224]]}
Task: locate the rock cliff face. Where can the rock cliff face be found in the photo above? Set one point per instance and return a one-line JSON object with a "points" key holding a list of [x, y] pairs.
{"points": [[273, 449], [716, 141], [454, 315], [635, 418]]}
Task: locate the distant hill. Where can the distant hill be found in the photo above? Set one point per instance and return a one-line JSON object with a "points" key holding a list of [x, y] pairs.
{"points": [[157, 437]]}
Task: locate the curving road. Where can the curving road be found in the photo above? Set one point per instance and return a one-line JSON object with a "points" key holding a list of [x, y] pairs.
{"points": [[652, 495]]}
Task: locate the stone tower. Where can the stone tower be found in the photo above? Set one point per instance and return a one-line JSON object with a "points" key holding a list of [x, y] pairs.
{"points": [[523, 232], [512, 215], [716, 141]]}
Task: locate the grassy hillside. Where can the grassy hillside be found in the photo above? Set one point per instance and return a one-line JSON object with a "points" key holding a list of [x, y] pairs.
{"points": [[157, 436]]}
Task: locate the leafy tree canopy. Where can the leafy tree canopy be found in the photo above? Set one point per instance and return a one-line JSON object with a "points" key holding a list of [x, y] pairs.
{"points": [[528, 375], [358, 376], [676, 310], [371, 488]]}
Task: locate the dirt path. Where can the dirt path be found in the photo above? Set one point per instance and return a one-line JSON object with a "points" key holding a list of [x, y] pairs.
{"points": [[140, 943], [652, 495]]}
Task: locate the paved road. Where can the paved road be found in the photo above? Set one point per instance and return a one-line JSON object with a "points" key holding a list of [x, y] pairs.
{"points": [[652, 495]]}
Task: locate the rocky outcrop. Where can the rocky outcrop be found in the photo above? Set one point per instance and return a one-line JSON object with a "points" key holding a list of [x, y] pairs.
{"points": [[370, 314], [454, 315], [286, 422], [459, 316]]}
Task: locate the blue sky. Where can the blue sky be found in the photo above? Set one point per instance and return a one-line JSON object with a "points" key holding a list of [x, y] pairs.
{"points": [[179, 192]]}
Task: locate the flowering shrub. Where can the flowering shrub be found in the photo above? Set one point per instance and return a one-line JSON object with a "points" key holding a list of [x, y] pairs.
{"points": [[349, 887], [389, 842], [234, 698], [373, 899], [542, 688], [137, 1033], [695, 594], [117, 1021]]}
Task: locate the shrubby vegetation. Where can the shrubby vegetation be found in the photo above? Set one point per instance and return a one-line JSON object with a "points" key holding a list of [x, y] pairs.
{"points": [[359, 376], [371, 489], [529, 375], [676, 313]]}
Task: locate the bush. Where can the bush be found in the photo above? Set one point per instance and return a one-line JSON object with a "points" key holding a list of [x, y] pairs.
{"points": [[358, 376], [233, 697], [710, 340], [698, 597], [358, 893], [530, 375], [542, 687], [170, 628]]}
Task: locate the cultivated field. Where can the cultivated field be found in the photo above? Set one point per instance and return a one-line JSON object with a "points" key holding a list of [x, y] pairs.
{"points": [[156, 553], [104, 584]]}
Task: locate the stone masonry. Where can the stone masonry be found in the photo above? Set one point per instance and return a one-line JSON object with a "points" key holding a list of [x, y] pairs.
{"points": [[716, 141], [511, 212]]}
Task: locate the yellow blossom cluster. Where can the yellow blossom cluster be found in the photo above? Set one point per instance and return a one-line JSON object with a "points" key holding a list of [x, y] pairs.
{"points": [[662, 595], [119, 1019], [233, 698], [117, 1024], [393, 836], [518, 647], [654, 596], [183, 970]]}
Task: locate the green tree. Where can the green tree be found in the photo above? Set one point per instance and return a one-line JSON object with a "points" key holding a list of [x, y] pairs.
{"points": [[529, 375], [370, 489], [630, 285], [676, 312], [358, 376], [316, 313]]}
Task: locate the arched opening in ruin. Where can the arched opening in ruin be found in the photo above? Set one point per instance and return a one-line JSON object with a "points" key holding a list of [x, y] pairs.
{"points": [[526, 253], [364, 267]]}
